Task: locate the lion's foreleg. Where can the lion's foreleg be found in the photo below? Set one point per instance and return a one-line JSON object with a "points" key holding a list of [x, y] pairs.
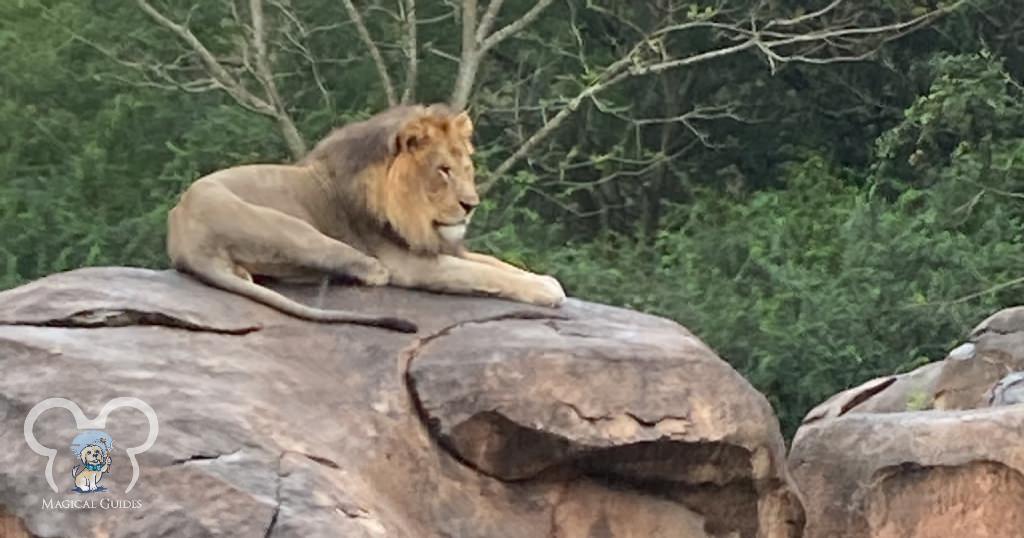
{"points": [[460, 275], [490, 260]]}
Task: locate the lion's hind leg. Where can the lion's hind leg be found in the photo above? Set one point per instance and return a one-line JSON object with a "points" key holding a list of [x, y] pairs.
{"points": [[234, 237], [264, 237]]}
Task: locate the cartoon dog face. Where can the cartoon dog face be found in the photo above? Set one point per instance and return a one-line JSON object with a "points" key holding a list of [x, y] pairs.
{"points": [[92, 454]]}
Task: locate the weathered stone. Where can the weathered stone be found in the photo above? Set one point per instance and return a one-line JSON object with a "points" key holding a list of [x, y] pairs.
{"points": [[877, 461], [1009, 390], [497, 420], [912, 391], [996, 348], [927, 474]]}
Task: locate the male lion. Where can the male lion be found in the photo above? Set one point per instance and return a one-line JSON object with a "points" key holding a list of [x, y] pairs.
{"points": [[385, 200]]}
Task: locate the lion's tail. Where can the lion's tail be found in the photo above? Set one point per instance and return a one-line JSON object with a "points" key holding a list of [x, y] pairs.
{"points": [[235, 284], [74, 471]]}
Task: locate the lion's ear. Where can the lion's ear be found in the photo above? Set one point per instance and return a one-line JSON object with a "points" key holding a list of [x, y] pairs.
{"points": [[412, 136], [463, 125]]}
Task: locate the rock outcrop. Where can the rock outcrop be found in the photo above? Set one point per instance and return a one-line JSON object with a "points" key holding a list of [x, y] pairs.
{"points": [[497, 420], [932, 453]]}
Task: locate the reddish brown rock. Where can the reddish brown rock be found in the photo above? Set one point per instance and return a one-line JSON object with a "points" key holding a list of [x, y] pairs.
{"points": [[497, 420], [922, 455], [928, 474]]}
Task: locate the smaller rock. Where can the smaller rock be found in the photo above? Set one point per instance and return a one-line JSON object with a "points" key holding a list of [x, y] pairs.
{"points": [[1009, 390], [922, 454], [969, 372]]}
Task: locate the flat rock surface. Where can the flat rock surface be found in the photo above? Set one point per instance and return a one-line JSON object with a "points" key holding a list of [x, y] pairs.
{"points": [[496, 420]]}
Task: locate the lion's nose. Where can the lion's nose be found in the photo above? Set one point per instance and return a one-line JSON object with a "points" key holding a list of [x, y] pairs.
{"points": [[468, 206]]}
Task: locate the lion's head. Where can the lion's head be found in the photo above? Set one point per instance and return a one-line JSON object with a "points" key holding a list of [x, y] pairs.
{"points": [[408, 167], [429, 191]]}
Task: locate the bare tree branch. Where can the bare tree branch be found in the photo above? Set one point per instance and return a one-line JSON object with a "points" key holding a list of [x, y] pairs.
{"points": [[476, 42], [300, 46], [265, 76], [775, 46], [469, 62], [378, 60], [514, 27], [411, 52], [805, 17], [270, 104], [216, 70], [487, 21]]}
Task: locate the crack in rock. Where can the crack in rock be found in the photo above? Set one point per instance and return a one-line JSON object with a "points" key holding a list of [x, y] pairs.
{"points": [[326, 462], [277, 496], [202, 459], [646, 423], [982, 331], [363, 517], [115, 317]]}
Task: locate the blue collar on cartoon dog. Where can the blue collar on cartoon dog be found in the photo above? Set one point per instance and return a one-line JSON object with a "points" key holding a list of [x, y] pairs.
{"points": [[92, 467]]}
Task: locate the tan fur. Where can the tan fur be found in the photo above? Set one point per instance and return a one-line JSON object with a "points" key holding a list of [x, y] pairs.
{"points": [[383, 201]]}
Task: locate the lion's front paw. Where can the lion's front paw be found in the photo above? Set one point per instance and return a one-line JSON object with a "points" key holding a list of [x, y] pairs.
{"points": [[371, 272], [547, 291]]}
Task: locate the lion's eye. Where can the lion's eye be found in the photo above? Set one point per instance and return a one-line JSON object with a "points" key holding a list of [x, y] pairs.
{"points": [[446, 171]]}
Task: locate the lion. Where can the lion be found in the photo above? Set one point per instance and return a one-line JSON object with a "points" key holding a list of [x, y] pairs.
{"points": [[385, 201]]}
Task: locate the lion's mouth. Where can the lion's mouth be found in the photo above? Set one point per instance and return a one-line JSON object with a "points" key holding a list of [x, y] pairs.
{"points": [[451, 232]]}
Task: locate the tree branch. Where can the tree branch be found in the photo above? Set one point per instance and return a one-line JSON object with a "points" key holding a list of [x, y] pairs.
{"points": [[213, 67], [487, 22], [292, 137], [633, 64], [514, 27], [270, 104], [378, 60], [299, 44], [411, 52], [469, 61], [476, 42]]}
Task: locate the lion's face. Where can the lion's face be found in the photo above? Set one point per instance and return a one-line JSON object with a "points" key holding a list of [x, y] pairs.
{"points": [[450, 185], [439, 178], [92, 455]]}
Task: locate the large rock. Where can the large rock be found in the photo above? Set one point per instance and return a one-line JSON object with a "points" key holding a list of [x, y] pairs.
{"points": [[497, 420], [922, 454]]}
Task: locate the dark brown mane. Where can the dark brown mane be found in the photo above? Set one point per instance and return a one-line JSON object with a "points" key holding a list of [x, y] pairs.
{"points": [[350, 149]]}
